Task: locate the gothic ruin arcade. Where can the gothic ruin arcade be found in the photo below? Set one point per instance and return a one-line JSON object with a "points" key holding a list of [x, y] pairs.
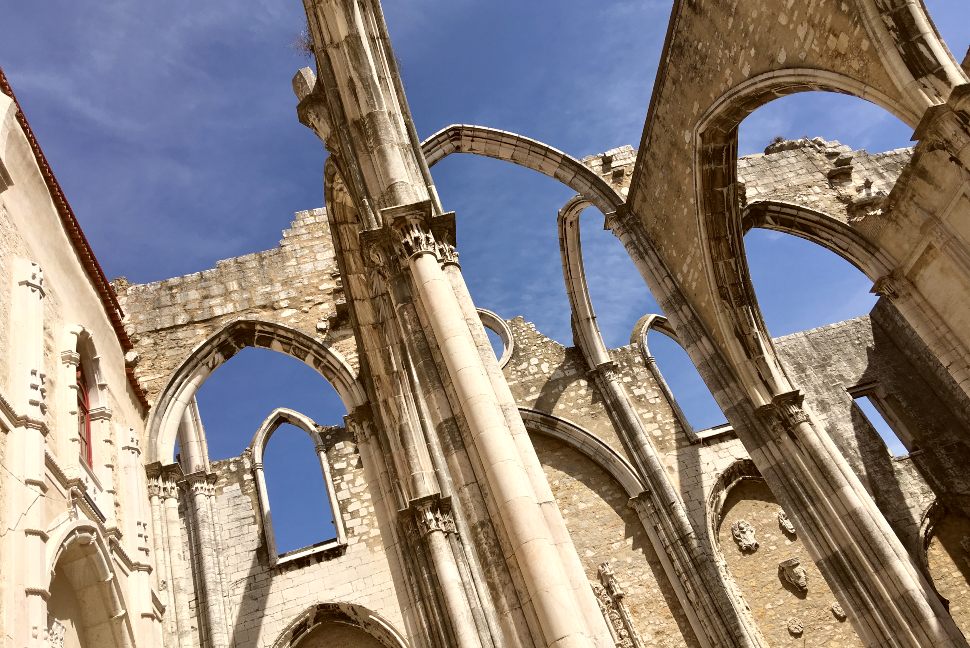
{"points": [[551, 496]]}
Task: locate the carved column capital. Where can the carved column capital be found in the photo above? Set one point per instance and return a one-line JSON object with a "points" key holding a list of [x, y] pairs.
{"points": [[785, 410], [606, 371], [200, 483], [891, 286], [409, 229], [431, 514]]}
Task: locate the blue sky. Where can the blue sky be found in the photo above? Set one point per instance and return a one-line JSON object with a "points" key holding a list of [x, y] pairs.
{"points": [[172, 128]]}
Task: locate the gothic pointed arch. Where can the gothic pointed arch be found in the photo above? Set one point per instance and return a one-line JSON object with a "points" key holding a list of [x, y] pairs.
{"points": [[257, 447], [343, 613], [81, 567], [720, 223], [822, 229], [163, 424]]}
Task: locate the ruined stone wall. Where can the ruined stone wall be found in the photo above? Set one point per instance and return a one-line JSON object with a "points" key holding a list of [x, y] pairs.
{"points": [[825, 363], [297, 285], [830, 361], [786, 614], [261, 598]]}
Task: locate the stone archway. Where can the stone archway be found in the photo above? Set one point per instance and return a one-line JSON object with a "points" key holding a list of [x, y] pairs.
{"points": [[757, 550], [340, 624], [171, 404], [86, 607]]}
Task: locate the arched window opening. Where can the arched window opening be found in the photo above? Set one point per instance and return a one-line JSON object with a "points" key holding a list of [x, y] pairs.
{"points": [[84, 417], [236, 398], [795, 151], [693, 398], [507, 240], [499, 335], [801, 285], [297, 491]]}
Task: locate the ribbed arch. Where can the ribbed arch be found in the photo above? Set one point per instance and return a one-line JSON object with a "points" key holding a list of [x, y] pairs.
{"points": [[180, 391]]}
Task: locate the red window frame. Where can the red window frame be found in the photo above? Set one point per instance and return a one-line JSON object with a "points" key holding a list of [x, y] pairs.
{"points": [[84, 418]]}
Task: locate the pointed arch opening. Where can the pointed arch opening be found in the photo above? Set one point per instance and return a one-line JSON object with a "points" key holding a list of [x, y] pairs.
{"points": [[694, 406], [295, 472], [175, 406], [87, 605]]}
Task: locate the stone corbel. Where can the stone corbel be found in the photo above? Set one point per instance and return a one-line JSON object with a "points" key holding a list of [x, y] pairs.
{"points": [[891, 286], [312, 107], [792, 572], [33, 279]]}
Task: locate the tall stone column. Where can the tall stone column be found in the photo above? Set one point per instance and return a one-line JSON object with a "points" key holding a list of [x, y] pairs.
{"points": [[358, 108], [445, 239], [850, 540], [211, 600], [162, 550], [559, 605]]}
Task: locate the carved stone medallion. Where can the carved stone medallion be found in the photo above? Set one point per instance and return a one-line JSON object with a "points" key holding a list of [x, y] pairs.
{"points": [[795, 627]]}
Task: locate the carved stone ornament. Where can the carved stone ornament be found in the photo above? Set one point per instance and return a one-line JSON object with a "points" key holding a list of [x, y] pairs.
{"points": [[610, 595], [838, 612], [55, 633], [433, 514], [795, 627], [785, 523], [744, 534], [793, 572]]}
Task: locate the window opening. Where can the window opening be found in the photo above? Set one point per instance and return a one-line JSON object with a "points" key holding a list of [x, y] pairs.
{"points": [[686, 385], [84, 417], [297, 491], [498, 346], [872, 409]]}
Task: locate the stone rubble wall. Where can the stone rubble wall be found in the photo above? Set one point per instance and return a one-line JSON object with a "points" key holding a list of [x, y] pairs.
{"points": [[297, 285]]}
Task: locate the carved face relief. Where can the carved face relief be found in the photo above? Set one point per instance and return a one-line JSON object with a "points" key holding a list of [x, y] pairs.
{"points": [[743, 533], [793, 572], [795, 627], [838, 612], [785, 523]]}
